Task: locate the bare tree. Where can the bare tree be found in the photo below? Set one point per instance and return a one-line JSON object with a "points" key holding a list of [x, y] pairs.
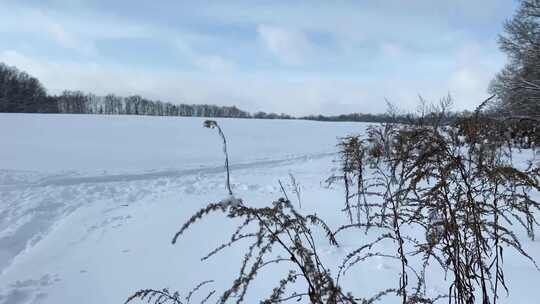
{"points": [[518, 84]]}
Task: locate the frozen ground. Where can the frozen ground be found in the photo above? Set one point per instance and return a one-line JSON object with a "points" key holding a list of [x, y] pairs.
{"points": [[89, 204]]}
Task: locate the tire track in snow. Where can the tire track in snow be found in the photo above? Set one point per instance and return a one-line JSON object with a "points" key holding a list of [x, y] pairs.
{"points": [[70, 181], [32, 208]]}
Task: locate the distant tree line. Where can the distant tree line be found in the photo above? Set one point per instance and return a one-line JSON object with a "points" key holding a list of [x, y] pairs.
{"points": [[409, 118], [80, 103], [22, 93], [360, 117]]}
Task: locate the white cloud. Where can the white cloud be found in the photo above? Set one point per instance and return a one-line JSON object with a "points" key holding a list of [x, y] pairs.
{"points": [[391, 50], [475, 65], [204, 61], [33, 21], [290, 46], [80, 33], [65, 38]]}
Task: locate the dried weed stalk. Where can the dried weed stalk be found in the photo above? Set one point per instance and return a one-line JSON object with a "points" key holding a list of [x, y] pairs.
{"points": [[456, 183]]}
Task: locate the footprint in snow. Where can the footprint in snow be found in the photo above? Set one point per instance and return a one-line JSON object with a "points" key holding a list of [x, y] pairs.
{"points": [[27, 291]]}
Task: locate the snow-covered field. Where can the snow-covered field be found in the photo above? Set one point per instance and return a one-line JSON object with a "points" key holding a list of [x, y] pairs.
{"points": [[89, 204]]}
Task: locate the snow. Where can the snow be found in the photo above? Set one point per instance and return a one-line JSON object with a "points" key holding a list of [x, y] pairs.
{"points": [[115, 143], [89, 205]]}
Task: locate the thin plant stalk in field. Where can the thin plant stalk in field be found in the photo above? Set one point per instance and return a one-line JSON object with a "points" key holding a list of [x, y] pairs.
{"points": [[212, 124]]}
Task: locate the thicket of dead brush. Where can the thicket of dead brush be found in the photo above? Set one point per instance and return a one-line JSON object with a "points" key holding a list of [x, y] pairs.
{"points": [[457, 184]]}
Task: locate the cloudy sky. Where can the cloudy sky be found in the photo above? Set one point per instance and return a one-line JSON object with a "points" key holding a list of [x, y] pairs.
{"points": [[298, 57]]}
